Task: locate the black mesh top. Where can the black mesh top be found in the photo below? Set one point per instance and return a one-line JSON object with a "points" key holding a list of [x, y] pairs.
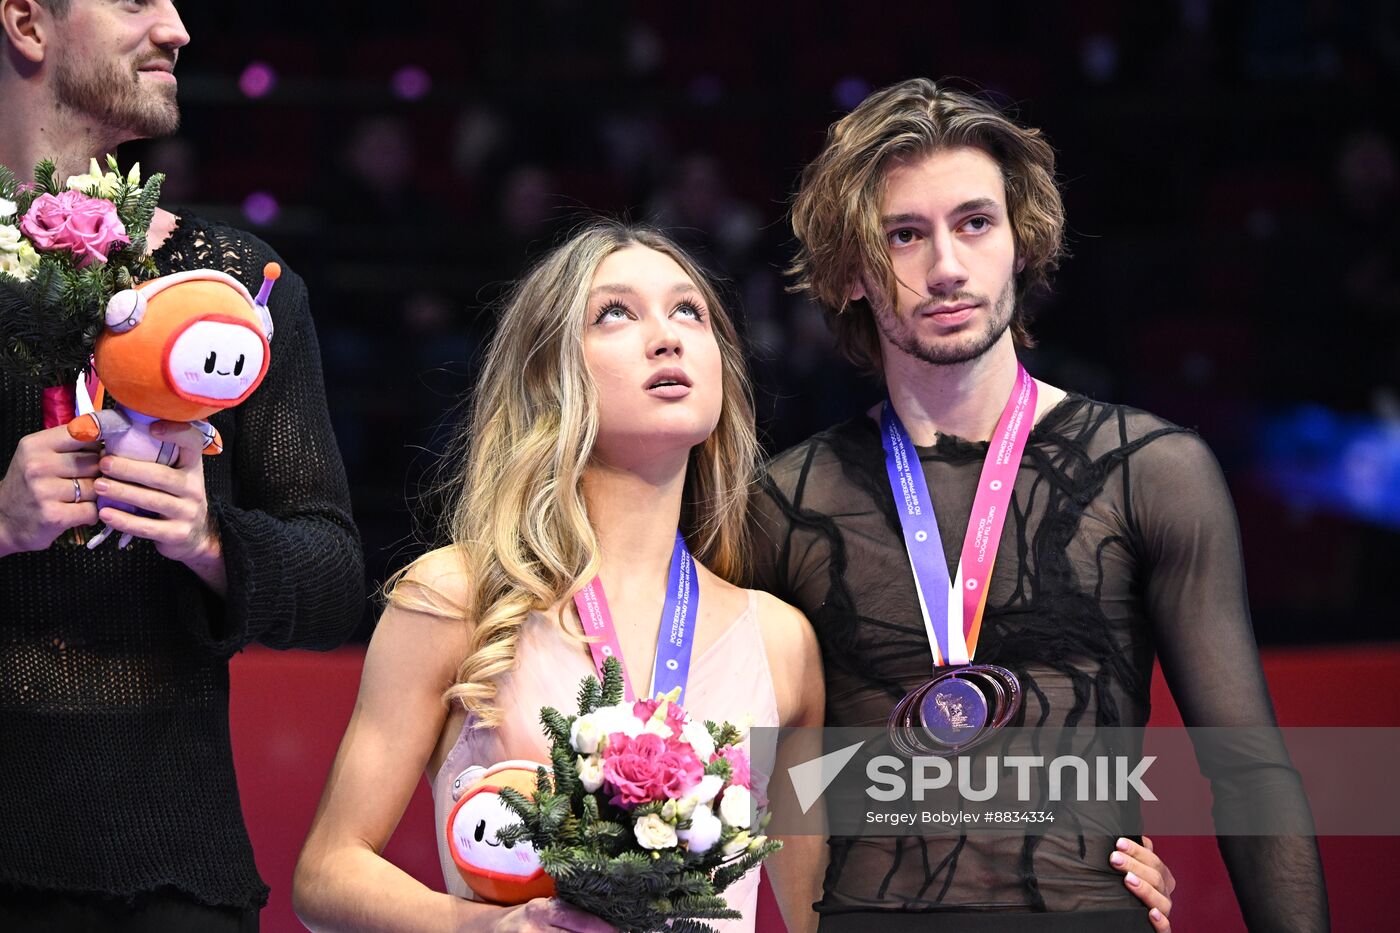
{"points": [[116, 770], [1121, 545]]}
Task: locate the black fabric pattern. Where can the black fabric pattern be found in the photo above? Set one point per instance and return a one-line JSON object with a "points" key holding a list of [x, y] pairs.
{"points": [[1121, 546], [117, 769]]}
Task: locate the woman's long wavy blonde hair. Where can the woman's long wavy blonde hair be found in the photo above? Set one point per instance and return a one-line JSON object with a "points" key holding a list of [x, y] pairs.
{"points": [[517, 518]]}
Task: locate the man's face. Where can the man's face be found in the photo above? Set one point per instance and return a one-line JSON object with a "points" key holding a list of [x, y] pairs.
{"points": [[950, 242], [114, 64]]}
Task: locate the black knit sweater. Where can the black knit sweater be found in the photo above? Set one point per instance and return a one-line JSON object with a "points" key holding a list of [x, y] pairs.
{"points": [[116, 771]]}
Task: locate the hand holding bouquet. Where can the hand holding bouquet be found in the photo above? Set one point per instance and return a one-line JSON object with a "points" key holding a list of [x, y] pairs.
{"points": [[647, 816]]}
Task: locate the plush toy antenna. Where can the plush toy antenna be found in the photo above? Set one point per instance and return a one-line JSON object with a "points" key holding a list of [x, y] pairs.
{"points": [[271, 273]]}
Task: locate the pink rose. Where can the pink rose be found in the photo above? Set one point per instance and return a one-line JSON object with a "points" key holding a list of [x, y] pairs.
{"points": [[648, 768], [86, 227], [738, 765], [675, 716]]}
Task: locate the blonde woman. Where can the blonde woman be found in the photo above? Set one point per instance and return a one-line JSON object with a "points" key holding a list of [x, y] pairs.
{"points": [[612, 411]]}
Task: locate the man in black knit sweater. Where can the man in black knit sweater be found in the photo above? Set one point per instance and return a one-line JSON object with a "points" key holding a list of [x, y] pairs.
{"points": [[120, 808]]}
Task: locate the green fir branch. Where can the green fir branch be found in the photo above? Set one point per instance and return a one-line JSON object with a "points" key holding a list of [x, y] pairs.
{"points": [[138, 220], [741, 866], [590, 695], [721, 767], [46, 178], [612, 682]]}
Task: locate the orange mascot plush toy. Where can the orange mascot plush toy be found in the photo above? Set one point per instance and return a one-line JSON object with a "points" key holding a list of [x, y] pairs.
{"points": [[495, 871], [176, 348]]}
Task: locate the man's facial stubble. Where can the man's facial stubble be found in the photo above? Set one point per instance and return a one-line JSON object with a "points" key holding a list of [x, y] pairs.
{"points": [[113, 95], [952, 349]]}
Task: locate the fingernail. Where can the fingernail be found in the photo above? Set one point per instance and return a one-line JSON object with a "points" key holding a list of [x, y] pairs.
{"points": [[1132, 879], [105, 464], [1117, 859], [1155, 914], [101, 485], [1122, 844]]}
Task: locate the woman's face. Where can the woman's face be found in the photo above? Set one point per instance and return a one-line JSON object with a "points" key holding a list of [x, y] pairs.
{"points": [[653, 355]]}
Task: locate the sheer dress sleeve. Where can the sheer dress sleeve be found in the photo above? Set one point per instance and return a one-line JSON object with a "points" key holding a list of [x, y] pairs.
{"points": [[1185, 526]]}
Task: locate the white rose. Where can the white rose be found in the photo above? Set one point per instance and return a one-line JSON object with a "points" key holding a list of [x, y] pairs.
{"points": [[20, 264], [699, 738], [10, 238], [7, 208], [735, 805], [738, 845], [590, 772], [654, 833], [589, 733], [704, 831], [618, 718]]}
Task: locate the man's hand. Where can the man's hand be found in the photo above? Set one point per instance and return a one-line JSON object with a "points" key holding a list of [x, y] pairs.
{"points": [[182, 528], [1148, 877], [37, 495]]}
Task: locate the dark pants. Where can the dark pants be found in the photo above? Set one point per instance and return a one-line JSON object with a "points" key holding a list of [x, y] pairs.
{"points": [[164, 912], [889, 921]]}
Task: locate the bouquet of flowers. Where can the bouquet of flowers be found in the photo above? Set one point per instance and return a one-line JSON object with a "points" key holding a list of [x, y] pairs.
{"points": [[64, 251], [646, 816]]}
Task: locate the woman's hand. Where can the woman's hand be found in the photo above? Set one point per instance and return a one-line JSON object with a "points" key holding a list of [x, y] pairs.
{"points": [[549, 913], [1148, 877]]}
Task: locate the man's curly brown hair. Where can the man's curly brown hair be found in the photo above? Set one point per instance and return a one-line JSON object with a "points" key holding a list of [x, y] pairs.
{"points": [[836, 213]]}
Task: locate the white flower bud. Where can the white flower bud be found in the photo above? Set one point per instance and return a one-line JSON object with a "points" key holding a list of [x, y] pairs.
{"points": [[590, 772]]}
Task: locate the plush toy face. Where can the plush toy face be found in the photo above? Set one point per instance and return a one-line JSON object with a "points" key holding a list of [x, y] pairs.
{"points": [[495, 871], [216, 359], [198, 348], [475, 830]]}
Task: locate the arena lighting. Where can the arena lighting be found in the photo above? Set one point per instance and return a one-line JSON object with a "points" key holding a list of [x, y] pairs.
{"points": [[850, 91], [1344, 463], [257, 80], [411, 83], [261, 208]]}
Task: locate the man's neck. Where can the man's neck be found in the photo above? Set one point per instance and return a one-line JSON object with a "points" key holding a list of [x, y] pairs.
{"points": [[634, 514], [963, 399], [31, 134]]}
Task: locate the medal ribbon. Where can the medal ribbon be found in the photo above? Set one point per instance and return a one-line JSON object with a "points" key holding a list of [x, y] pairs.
{"points": [[953, 609], [673, 643]]}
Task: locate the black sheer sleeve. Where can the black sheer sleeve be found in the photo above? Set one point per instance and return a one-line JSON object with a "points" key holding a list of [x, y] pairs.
{"points": [[775, 528], [1185, 526]]}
